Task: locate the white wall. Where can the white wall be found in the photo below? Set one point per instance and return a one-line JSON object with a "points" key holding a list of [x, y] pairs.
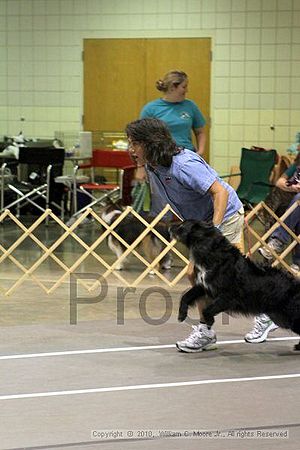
{"points": [[255, 70]]}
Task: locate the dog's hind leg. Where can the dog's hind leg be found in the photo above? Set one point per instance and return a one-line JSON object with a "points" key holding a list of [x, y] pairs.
{"points": [[296, 329], [188, 299], [218, 305], [166, 262], [151, 248], [296, 326], [117, 250]]}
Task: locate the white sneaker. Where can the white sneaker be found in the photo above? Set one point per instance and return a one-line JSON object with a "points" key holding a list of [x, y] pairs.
{"points": [[263, 325], [295, 268], [166, 262], [201, 338], [275, 244]]}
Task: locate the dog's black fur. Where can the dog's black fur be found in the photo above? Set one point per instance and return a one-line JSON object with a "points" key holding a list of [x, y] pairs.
{"points": [[234, 283]]}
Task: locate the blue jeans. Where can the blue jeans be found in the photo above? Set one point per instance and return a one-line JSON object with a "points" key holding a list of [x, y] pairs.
{"points": [[293, 222]]}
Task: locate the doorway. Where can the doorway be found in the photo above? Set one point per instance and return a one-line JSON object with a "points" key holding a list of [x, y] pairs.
{"points": [[120, 75]]}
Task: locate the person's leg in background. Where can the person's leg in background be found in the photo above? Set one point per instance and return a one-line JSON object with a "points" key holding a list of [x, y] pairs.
{"points": [[280, 237], [296, 252], [263, 325]]}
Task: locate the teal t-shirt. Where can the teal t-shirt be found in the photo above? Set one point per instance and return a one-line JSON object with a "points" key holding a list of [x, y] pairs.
{"points": [[180, 117], [290, 170]]}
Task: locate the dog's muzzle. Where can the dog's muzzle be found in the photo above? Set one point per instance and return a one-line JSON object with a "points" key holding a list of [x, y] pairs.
{"points": [[174, 230]]}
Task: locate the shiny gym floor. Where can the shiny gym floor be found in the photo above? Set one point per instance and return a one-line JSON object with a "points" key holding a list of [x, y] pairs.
{"points": [[114, 379]]}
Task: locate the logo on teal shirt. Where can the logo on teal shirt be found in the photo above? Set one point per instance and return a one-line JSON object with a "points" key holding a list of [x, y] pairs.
{"points": [[185, 115]]}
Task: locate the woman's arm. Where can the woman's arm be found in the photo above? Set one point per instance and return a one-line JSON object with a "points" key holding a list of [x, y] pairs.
{"points": [[281, 184], [220, 198], [200, 140]]}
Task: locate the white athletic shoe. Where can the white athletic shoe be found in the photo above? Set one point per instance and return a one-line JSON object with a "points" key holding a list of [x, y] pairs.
{"points": [[295, 268], [275, 244], [263, 325], [201, 338]]}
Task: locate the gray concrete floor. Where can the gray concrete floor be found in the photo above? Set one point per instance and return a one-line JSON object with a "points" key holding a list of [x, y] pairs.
{"points": [[116, 371]]}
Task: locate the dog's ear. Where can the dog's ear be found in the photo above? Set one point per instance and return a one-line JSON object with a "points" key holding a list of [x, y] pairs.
{"points": [[200, 226], [207, 223], [118, 204], [175, 222], [109, 202], [188, 229], [186, 226]]}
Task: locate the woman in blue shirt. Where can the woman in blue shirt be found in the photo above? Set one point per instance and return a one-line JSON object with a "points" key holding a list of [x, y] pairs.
{"points": [[194, 190]]}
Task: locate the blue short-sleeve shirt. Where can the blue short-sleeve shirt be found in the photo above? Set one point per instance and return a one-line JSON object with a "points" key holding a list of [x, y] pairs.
{"points": [[185, 185]]}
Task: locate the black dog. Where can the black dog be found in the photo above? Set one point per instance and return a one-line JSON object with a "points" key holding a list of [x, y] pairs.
{"points": [[234, 283]]}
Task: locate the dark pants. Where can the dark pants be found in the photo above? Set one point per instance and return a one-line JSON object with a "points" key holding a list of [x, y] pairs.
{"points": [[293, 222]]}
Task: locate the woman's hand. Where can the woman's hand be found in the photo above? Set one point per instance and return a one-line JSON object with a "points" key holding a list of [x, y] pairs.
{"points": [[295, 187]]}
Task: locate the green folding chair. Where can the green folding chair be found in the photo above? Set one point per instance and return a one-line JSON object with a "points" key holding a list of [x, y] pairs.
{"points": [[256, 166]]}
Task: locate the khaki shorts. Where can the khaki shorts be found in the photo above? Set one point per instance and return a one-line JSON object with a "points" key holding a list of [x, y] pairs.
{"points": [[232, 228]]}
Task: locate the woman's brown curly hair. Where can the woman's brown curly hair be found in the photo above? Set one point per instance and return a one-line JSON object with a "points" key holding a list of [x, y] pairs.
{"points": [[156, 140]]}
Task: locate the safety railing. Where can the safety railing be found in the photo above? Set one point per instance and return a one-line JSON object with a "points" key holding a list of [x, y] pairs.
{"points": [[106, 269], [9, 255]]}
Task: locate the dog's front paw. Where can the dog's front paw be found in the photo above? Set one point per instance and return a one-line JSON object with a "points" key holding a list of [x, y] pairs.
{"points": [[209, 320], [182, 314]]}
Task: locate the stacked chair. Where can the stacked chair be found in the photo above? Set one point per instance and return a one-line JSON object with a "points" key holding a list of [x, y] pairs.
{"points": [[40, 192]]}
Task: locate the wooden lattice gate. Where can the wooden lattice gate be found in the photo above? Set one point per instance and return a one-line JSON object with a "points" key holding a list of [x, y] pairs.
{"points": [[8, 254]]}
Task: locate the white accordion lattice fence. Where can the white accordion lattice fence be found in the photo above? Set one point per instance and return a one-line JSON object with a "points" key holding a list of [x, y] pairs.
{"points": [[11, 255], [88, 250]]}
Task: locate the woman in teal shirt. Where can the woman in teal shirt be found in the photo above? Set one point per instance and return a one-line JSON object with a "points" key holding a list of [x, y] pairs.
{"points": [[182, 116]]}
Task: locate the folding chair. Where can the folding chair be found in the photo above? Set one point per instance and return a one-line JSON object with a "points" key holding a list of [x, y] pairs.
{"points": [[48, 160], [256, 166], [7, 175], [114, 159]]}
